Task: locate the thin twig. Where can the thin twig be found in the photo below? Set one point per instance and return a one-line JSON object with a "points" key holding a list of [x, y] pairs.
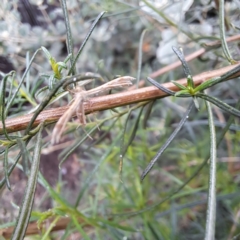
{"points": [[192, 56], [110, 101]]}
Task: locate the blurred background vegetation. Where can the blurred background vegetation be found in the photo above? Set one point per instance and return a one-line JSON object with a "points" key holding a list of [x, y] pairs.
{"points": [[89, 177]]}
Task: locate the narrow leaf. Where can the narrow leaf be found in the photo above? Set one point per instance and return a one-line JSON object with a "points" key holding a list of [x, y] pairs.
{"points": [[3, 181], [166, 90], [46, 52], [6, 169], [222, 23], [124, 148], [209, 83], [80, 229], [50, 227], [140, 56], [182, 93], [101, 160], [3, 111], [84, 42], [25, 155], [167, 143], [217, 80], [180, 86], [62, 65], [122, 145], [159, 86], [196, 172], [10, 102], [211, 209], [147, 113], [190, 82], [220, 104], [68, 151], [134, 130], [27, 203], [196, 103], [69, 35], [67, 58], [180, 55]]}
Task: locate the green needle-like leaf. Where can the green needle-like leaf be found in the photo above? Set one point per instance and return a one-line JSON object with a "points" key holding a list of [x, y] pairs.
{"points": [[46, 52], [147, 113], [182, 93], [167, 143], [3, 111], [217, 80], [6, 168], [220, 104], [166, 90], [196, 103], [123, 148], [181, 57], [207, 84], [27, 203], [10, 102], [50, 227], [25, 155], [69, 35], [80, 229], [100, 161], [85, 41], [156, 84], [222, 23], [211, 209], [140, 57], [196, 172], [180, 86], [190, 82], [67, 152], [3, 181], [62, 65]]}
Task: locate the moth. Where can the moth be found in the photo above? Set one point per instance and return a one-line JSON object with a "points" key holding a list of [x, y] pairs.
{"points": [[77, 106]]}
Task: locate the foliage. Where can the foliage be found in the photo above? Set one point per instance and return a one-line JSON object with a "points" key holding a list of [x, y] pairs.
{"points": [[95, 180]]}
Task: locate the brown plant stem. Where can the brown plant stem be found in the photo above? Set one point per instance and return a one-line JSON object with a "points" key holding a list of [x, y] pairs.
{"points": [[192, 56], [33, 229], [110, 101]]}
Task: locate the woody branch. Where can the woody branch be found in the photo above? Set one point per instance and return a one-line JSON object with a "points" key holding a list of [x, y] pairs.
{"points": [[111, 101]]}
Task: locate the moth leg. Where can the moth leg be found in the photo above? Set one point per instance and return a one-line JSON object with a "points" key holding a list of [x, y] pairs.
{"points": [[82, 118], [94, 114], [81, 114]]}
